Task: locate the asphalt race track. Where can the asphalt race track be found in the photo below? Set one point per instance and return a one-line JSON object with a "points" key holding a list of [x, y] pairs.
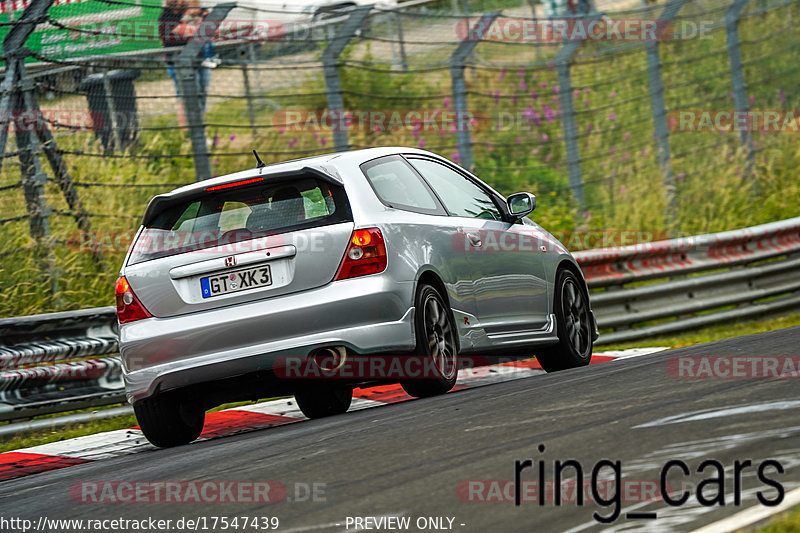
{"points": [[440, 457]]}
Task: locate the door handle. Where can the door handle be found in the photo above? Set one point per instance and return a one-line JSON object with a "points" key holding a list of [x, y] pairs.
{"points": [[474, 239]]}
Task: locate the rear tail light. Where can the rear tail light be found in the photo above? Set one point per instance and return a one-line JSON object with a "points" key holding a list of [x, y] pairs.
{"points": [[129, 308], [366, 254]]}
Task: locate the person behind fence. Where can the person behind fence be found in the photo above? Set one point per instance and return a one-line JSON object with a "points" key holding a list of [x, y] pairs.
{"points": [[179, 22]]}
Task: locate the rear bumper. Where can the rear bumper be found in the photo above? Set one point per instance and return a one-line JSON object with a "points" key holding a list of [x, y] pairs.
{"points": [[367, 315]]}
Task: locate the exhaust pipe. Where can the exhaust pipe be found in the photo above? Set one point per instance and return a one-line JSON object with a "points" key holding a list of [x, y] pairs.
{"points": [[330, 358]]}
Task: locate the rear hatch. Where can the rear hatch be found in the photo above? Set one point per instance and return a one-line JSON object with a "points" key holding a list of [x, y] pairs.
{"points": [[252, 239]]}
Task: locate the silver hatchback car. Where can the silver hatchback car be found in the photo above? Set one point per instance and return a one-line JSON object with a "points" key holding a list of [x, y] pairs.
{"points": [[385, 252]]}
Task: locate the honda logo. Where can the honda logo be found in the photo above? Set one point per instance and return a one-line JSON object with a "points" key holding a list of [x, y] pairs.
{"points": [[230, 261]]}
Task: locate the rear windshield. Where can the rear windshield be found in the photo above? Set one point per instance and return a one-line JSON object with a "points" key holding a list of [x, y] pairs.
{"points": [[238, 214]]}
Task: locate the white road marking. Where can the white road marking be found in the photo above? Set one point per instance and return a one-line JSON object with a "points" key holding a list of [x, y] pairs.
{"points": [[706, 414], [752, 515], [632, 352], [98, 446]]}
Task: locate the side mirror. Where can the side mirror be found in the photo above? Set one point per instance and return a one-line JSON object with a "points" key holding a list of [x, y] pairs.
{"points": [[521, 204]]}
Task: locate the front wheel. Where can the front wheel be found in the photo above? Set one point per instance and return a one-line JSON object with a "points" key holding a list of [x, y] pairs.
{"points": [[169, 419], [436, 345], [324, 401], [574, 326]]}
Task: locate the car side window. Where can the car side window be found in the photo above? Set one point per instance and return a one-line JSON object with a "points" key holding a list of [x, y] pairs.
{"points": [[460, 196], [398, 186]]}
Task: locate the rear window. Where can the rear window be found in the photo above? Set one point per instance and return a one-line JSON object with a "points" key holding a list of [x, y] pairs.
{"points": [[238, 214]]}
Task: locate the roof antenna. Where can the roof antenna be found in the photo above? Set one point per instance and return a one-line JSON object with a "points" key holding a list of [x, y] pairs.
{"points": [[260, 164]]}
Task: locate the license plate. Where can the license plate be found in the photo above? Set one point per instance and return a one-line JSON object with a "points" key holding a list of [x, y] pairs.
{"points": [[240, 280]]}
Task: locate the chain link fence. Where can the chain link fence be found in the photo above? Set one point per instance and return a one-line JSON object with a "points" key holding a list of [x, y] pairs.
{"points": [[599, 111]]}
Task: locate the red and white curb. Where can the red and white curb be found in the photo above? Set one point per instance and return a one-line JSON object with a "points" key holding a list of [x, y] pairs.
{"points": [[62, 454]]}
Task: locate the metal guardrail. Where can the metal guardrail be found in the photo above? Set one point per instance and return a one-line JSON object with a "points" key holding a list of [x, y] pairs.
{"points": [[669, 286], [58, 362], [62, 361]]}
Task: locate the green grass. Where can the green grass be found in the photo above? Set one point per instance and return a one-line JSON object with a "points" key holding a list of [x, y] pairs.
{"points": [[788, 522], [710, 334], [35, 438]]}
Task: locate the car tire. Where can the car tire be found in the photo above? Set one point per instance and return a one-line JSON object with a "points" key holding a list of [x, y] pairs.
{"points": [[324, 401], [573, 325], [436, 339], [169, 420]]}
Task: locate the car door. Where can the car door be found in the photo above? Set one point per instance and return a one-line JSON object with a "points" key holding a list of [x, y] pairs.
{"points": [[425, 230], [506, 264]]}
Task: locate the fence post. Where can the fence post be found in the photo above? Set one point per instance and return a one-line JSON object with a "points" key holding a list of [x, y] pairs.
{"points": [[247, 90], [656, 82], [568, 116], [457, 65], [737, 72], [33, 182], [18, 94], [188, 63], [333, 83], [112, 111], [398, 20]]}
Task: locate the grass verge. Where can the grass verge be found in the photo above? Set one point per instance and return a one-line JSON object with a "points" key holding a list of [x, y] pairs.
{"points": [[788, 522], [35, 438], [710, 334]]}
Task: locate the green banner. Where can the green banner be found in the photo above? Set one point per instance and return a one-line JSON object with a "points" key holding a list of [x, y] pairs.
{"points": [[84, 28]]}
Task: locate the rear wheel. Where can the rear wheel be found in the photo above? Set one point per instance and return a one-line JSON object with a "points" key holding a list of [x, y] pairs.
{"points": [[169, 419], [325, 401], [436, 345], [574, 326]]}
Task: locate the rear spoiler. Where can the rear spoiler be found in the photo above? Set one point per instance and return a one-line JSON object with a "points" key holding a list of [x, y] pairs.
{"points": [[163, 201]]}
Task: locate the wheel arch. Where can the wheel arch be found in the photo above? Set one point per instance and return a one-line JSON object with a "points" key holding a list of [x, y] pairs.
{"points": [[430, 277], [573, 267], [567, 264]]}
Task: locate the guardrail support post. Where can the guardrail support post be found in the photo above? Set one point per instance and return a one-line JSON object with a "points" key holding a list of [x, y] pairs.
{"points": [[188, 65], [333, 83], [660, 115], [568, 116], [737, 73], [457, 65]]}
